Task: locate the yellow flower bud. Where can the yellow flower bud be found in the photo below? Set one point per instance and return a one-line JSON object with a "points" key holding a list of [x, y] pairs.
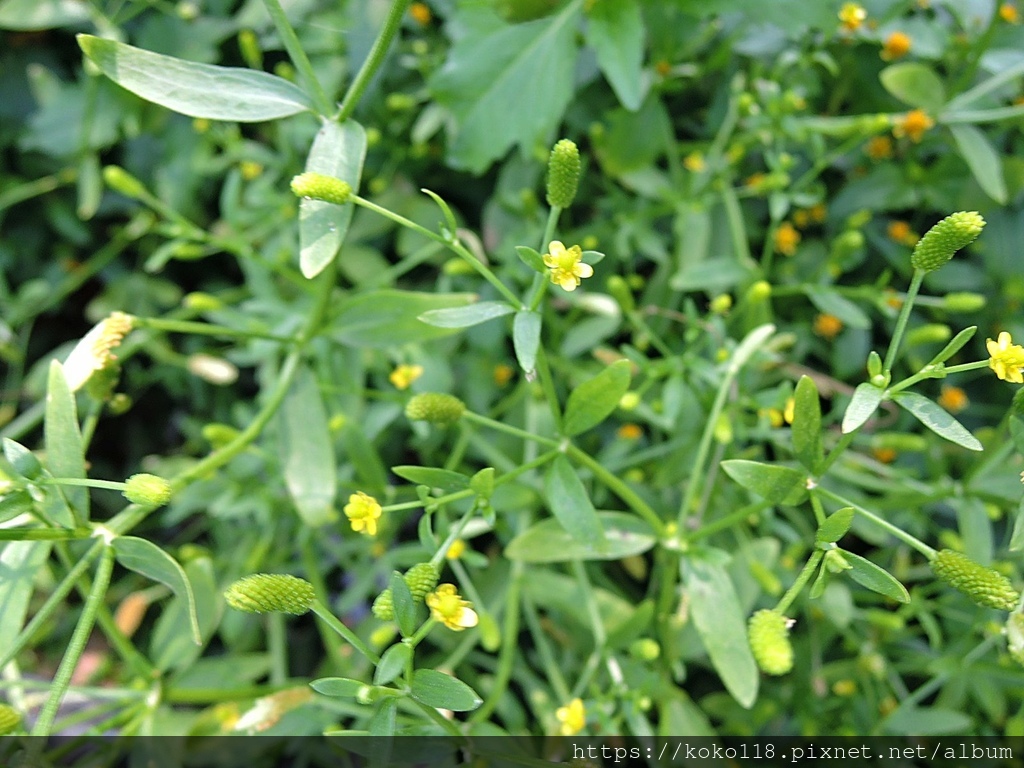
{"points": [[147, 490]]}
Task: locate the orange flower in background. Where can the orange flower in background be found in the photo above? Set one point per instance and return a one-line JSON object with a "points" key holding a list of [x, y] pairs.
{"points": [[503, 374], [900, 232], [884, 455], [879, 148], [1008, 12], [786, 239], [421, 13], [827, 326], [896, 46], [630, 431], [913, 125], [953, 399]]}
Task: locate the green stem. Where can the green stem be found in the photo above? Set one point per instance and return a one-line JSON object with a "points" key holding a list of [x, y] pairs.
{"points": [[298, 57], [619, 488], [76, 646], [801, 581], [966, 367], [277, 647], [901, 321], [440, 719], [837, 451], [547, 658], [205, 329], [549, 228], [727, 522], [44, 534], [693, 486], [899, 533], [312, 567], [334, 623], [509, 645], [547, 385], [373, 61], [507, 429], [86, 482], [421, 633]]}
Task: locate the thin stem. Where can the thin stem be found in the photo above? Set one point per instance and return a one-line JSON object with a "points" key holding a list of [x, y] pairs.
{"points": [[373, 61], [801, 581], [507, 429], [44, 534], [705, 445], [205, 329], [312, 567], [619, 488], [901, 321], [547, 385], [334, 623], [547, 658], [76, 646], [509, 645], [899, 533], [549, 228], [837, 451], [298, 57], [727, 522]]}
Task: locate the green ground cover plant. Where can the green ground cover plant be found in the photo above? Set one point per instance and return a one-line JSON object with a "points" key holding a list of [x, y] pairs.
{"points": [[527, 366]]}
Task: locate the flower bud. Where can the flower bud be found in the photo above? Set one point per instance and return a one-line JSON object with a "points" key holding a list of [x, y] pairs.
{"points": [[563, 174], [421, 579], [929, 333], [963, 302], [9, 719], [147, 490], [983, 585], [946, 238], [271, 593], [384, 606], [119, 180], [435, 407], [320, 187], [768, 634]]}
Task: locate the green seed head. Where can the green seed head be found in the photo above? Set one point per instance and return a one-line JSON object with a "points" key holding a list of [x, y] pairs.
{"points": [[946, 238], [983, 585], [9, 719], [435, 407], [768, 634], [563, 174], [271, 593], [384, 606], [148, 490], [320, 187], [421, 579]]}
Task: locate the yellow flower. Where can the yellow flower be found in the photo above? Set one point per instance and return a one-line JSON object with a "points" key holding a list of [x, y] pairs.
{"points": [[897, 45], [789, 411], [774, 416], [362, 512], [250, 169], [879, 148], [503, 374], [953, 399], [884, 454], [420, 12], [901, 232], [566, 265], [1008, 12], [786, 239], [1007, 358], [404, 375], [630, 431], [694, 162], [827, 326], [913, 125], [456, 549], [573, 717], [851, 16], [448, 607]]}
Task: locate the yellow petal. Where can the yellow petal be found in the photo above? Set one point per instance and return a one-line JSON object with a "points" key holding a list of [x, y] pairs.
{"points": [[584, 270]]}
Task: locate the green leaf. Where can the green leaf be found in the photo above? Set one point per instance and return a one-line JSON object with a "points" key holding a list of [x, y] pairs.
{"points": [[806, 429], [615, 30], [20, 562], [721, 624], [914, 84], [392, 663], [14, 503], [65, 451], [752, 343], [146, 558], [482, 483], [531, 258], [954, 345], [449, 217], [444, 479], [464, 317], [927, 721], [36, 15], [436, 689], [879, 580], [21, 459], [982, 159], [594, 400], [526, 338], [340, 687], [937, 420], [771, 482], [570, 504], [196, 90], [172, 646], [865, 401], [548, 542], [338, 151], [507, 86], [1017, 537], [832, 303], [390, 318], [405, 607], [383, 723], [307, 451], [718, 273], [835, 526]]}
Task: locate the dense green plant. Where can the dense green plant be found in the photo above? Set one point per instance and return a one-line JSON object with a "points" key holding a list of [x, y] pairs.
{"points": [[555, 490]]}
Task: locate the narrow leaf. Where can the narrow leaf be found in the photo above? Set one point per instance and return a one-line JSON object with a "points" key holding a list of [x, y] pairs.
{"points": [[21, 459], [721, 624], [338, 151], [548, 542], [464, 317], [615, 30], [146, 558], [383, 723], [835, 526], [1017, 537], [342, 687], [865, 401], [771, 482], [65, 451], [436, 689], [526, 338], [449, 217], [405, 608], [389, 318], [879, 580], [570, 504], [307, 451], [392, 663], [531, 258], [752, 342], [196, 90], [445, 479], [954, 345], [982, 159], [594, 400], [20, 562], [806, 429], [937, 420]]}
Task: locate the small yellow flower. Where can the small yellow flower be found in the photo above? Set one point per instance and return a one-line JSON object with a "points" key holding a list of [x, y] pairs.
{"points": [[456, 549], [900, 232], [404, 375], [1008, 12], [786, 239], [893, 300], [845, 687], [754, 180], [573, 717], [774, 416], [362, 512], [721, 304], [852, 16], [913, 125], [421, 13], [789, 411], [953, 399], [694, 162], [503, 374], [897, 45], [250, 169], [879, 148], [884, 454], [448, 607], [1007, 358], [566, 265], [827, 326], [630, 431]]}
